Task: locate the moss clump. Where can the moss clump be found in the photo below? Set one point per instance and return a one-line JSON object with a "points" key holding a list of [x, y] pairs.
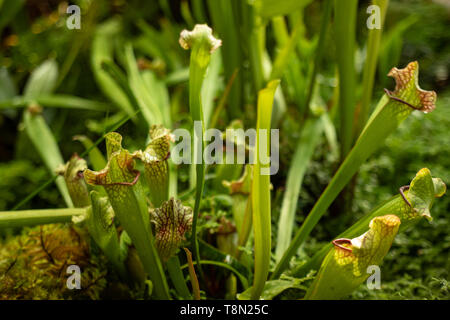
{"points": [[34, 264]]}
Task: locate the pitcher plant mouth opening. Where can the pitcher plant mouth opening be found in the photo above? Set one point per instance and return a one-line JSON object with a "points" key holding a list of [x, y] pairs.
{"points": [[402, 193], [340, 243], [121, 183]]}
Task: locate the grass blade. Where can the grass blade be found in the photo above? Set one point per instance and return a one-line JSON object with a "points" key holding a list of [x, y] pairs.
{"points": [[147, 103], [42, 81], [45, 143], [225, 22]]}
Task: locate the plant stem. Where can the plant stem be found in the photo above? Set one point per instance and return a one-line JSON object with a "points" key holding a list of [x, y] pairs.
{"points": [[194, 280], [223, 265], [373, 46], [23, 218], [256, 45], [177, 277], [202, 44], [345, 20], [246, 227], [319, 51]]}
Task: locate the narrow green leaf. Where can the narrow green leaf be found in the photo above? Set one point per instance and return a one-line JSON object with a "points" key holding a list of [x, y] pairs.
{"points": [[345, 33], [271, 8], [8, 88], [147, 103], [261, 190], [28, 218], [54, 101], [319, 52], [100, 224], [211, 85], [226, 23], [177, 277], [158, 90], [103, 50], [303, 153], [45, 144], [202, 44], [370, 65], [283, 57], [42, 80]]}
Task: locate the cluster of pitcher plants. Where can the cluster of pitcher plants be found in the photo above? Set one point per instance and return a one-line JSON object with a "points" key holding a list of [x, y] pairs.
{"points": [[129, 228]]}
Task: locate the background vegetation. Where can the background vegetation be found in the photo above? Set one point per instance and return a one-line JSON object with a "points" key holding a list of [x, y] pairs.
{"points": [[33, 31]]}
